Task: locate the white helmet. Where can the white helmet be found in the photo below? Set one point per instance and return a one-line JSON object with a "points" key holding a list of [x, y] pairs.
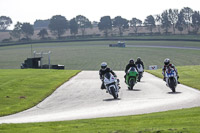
{"points": [[103, 65], [167, 61]]}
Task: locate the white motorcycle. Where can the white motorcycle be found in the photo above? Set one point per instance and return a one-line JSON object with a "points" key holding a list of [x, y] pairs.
{"points": [[171, 79], [111, 84], [140, 71]]}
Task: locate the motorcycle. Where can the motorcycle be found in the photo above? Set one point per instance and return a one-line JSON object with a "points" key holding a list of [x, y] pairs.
{"points": [[131, 78], [171, 79], [111, 84], [140, 71]]}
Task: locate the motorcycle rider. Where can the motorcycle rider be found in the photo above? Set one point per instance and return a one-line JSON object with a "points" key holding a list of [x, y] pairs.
{"points": [[168, 64], [139, 61], [104, 69], [128, 66]]}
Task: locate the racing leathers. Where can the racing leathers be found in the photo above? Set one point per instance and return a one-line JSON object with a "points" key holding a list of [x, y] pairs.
{"points": [[127, 68], [171, 66], [140, 62], [101, 74]]}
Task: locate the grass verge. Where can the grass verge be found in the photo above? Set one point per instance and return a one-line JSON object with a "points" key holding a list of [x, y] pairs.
{"points": [[189, 75], [177, 121], [22, 89]]}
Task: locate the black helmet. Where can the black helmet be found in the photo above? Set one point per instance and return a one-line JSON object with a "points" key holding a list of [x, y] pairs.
{"points": [[131, 61], [103, 65], [166, 61], [138, 59]]}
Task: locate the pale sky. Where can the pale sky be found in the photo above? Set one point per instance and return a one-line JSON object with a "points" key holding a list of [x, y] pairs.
{"points": [[30, 10]]}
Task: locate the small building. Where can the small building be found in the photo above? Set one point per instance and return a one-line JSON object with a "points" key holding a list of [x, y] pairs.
{"points": [[37, 62]]}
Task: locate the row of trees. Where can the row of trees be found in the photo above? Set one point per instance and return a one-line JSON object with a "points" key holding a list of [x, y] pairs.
{"points": [[186, 18], [58, 25], [20, 29], [172, 18]]}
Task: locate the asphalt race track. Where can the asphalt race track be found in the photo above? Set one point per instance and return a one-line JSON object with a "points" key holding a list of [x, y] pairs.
{"points": [[82, 98]]}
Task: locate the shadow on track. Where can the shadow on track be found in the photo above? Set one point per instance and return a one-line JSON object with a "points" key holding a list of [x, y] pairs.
{"points": [[133, 90], [107, 100], [174, 92]]}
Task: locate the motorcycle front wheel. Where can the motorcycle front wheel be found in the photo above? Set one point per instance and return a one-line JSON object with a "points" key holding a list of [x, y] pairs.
{"points": [[131, 83], [172, 84], [112, 89]]}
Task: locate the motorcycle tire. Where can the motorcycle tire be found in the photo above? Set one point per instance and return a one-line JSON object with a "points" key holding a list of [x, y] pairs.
{"points": [[172, 84], [112, 89], [131, 83], [139, 77]]}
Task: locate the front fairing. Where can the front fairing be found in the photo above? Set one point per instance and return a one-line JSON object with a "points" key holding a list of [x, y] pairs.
{"points": [[109, 78], [170, 73]]}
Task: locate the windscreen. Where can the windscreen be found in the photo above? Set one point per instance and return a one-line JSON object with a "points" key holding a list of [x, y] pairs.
{"points": [[107, 75]]}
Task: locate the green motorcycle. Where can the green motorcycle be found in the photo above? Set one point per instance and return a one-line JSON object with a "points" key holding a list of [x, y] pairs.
{"points": [[131, 78]]}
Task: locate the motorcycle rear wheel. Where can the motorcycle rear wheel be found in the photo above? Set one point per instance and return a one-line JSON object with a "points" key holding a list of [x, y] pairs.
{"points": [[139, 77]]}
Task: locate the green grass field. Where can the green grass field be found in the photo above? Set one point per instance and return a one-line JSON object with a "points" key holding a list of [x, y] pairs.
{"points": [[177, 121], [22, 89], [89, 55], [189, 75]]}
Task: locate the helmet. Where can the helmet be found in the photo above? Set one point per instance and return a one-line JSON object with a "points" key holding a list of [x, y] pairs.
{"points": [[103, 65], [138, 59], [166, 61], [131, 61]]}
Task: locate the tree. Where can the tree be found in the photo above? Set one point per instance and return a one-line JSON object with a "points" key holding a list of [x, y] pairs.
{"points": [[173, 17], [43, 33], [134, 23], [187, 13], [73, 26], [83, 23], [149, 22], [58, 25], [105, 25], [38, 24], [166, 23], [196, 21], [180, 24], [121, 24], [158, 19], [17, 31], [27, 30], [5, 22]]}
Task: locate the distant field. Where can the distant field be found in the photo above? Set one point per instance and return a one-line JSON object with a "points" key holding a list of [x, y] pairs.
{"points": [[89, 55]]}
